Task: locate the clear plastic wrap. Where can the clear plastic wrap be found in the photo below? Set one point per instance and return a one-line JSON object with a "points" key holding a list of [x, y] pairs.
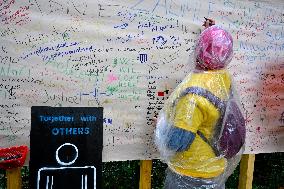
{"points": [[214, 49], [201, 130]]}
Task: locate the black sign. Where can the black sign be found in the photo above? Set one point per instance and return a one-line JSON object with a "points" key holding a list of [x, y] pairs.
{"points": [[66, 147]]}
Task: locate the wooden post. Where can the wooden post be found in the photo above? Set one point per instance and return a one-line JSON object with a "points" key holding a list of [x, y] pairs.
{"points": [[14, 178], [145, 174], [246, 171]]}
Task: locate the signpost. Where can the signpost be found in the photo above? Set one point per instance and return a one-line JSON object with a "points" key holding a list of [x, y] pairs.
{"points": [[66, 147]]}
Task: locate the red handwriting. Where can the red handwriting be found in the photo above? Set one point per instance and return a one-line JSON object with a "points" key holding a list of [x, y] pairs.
{"points": [[18, 17]]}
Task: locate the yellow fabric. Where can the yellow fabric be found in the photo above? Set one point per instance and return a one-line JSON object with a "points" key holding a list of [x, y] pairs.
{"points": [[192, 113]]}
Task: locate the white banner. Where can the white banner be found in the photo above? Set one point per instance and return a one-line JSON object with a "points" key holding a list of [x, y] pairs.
{"points": [[128, 56]]}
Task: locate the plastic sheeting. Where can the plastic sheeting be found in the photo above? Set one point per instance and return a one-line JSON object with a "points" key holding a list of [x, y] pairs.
{"points": [[201, 130]]}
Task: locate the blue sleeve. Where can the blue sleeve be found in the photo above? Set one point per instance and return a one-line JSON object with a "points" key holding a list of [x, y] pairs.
{"points": [[179, 139]]}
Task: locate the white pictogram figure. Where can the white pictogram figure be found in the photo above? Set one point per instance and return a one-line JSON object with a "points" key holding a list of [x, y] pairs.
{"points": [[52, 177]]}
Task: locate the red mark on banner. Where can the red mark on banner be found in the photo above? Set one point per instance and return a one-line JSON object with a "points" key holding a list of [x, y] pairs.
{"points": [[161, 94]]}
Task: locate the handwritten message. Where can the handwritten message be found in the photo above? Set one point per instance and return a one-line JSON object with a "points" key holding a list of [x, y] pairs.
{"points": [[128, 56]]}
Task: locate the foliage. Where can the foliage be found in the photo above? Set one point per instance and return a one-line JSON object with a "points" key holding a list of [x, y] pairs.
{"points": [[121, 175], [269, 171], [2, 179], [233, 180], [158, 174]]}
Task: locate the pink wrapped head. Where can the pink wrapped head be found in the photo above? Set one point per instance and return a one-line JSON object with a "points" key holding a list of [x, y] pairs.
{"points": [[214, 49]]}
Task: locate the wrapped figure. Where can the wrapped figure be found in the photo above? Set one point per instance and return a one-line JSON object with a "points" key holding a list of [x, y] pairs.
{"points": [[201, 131]]}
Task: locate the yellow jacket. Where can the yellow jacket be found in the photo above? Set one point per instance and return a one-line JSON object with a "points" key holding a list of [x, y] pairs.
{"points": [[193, 113]]}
